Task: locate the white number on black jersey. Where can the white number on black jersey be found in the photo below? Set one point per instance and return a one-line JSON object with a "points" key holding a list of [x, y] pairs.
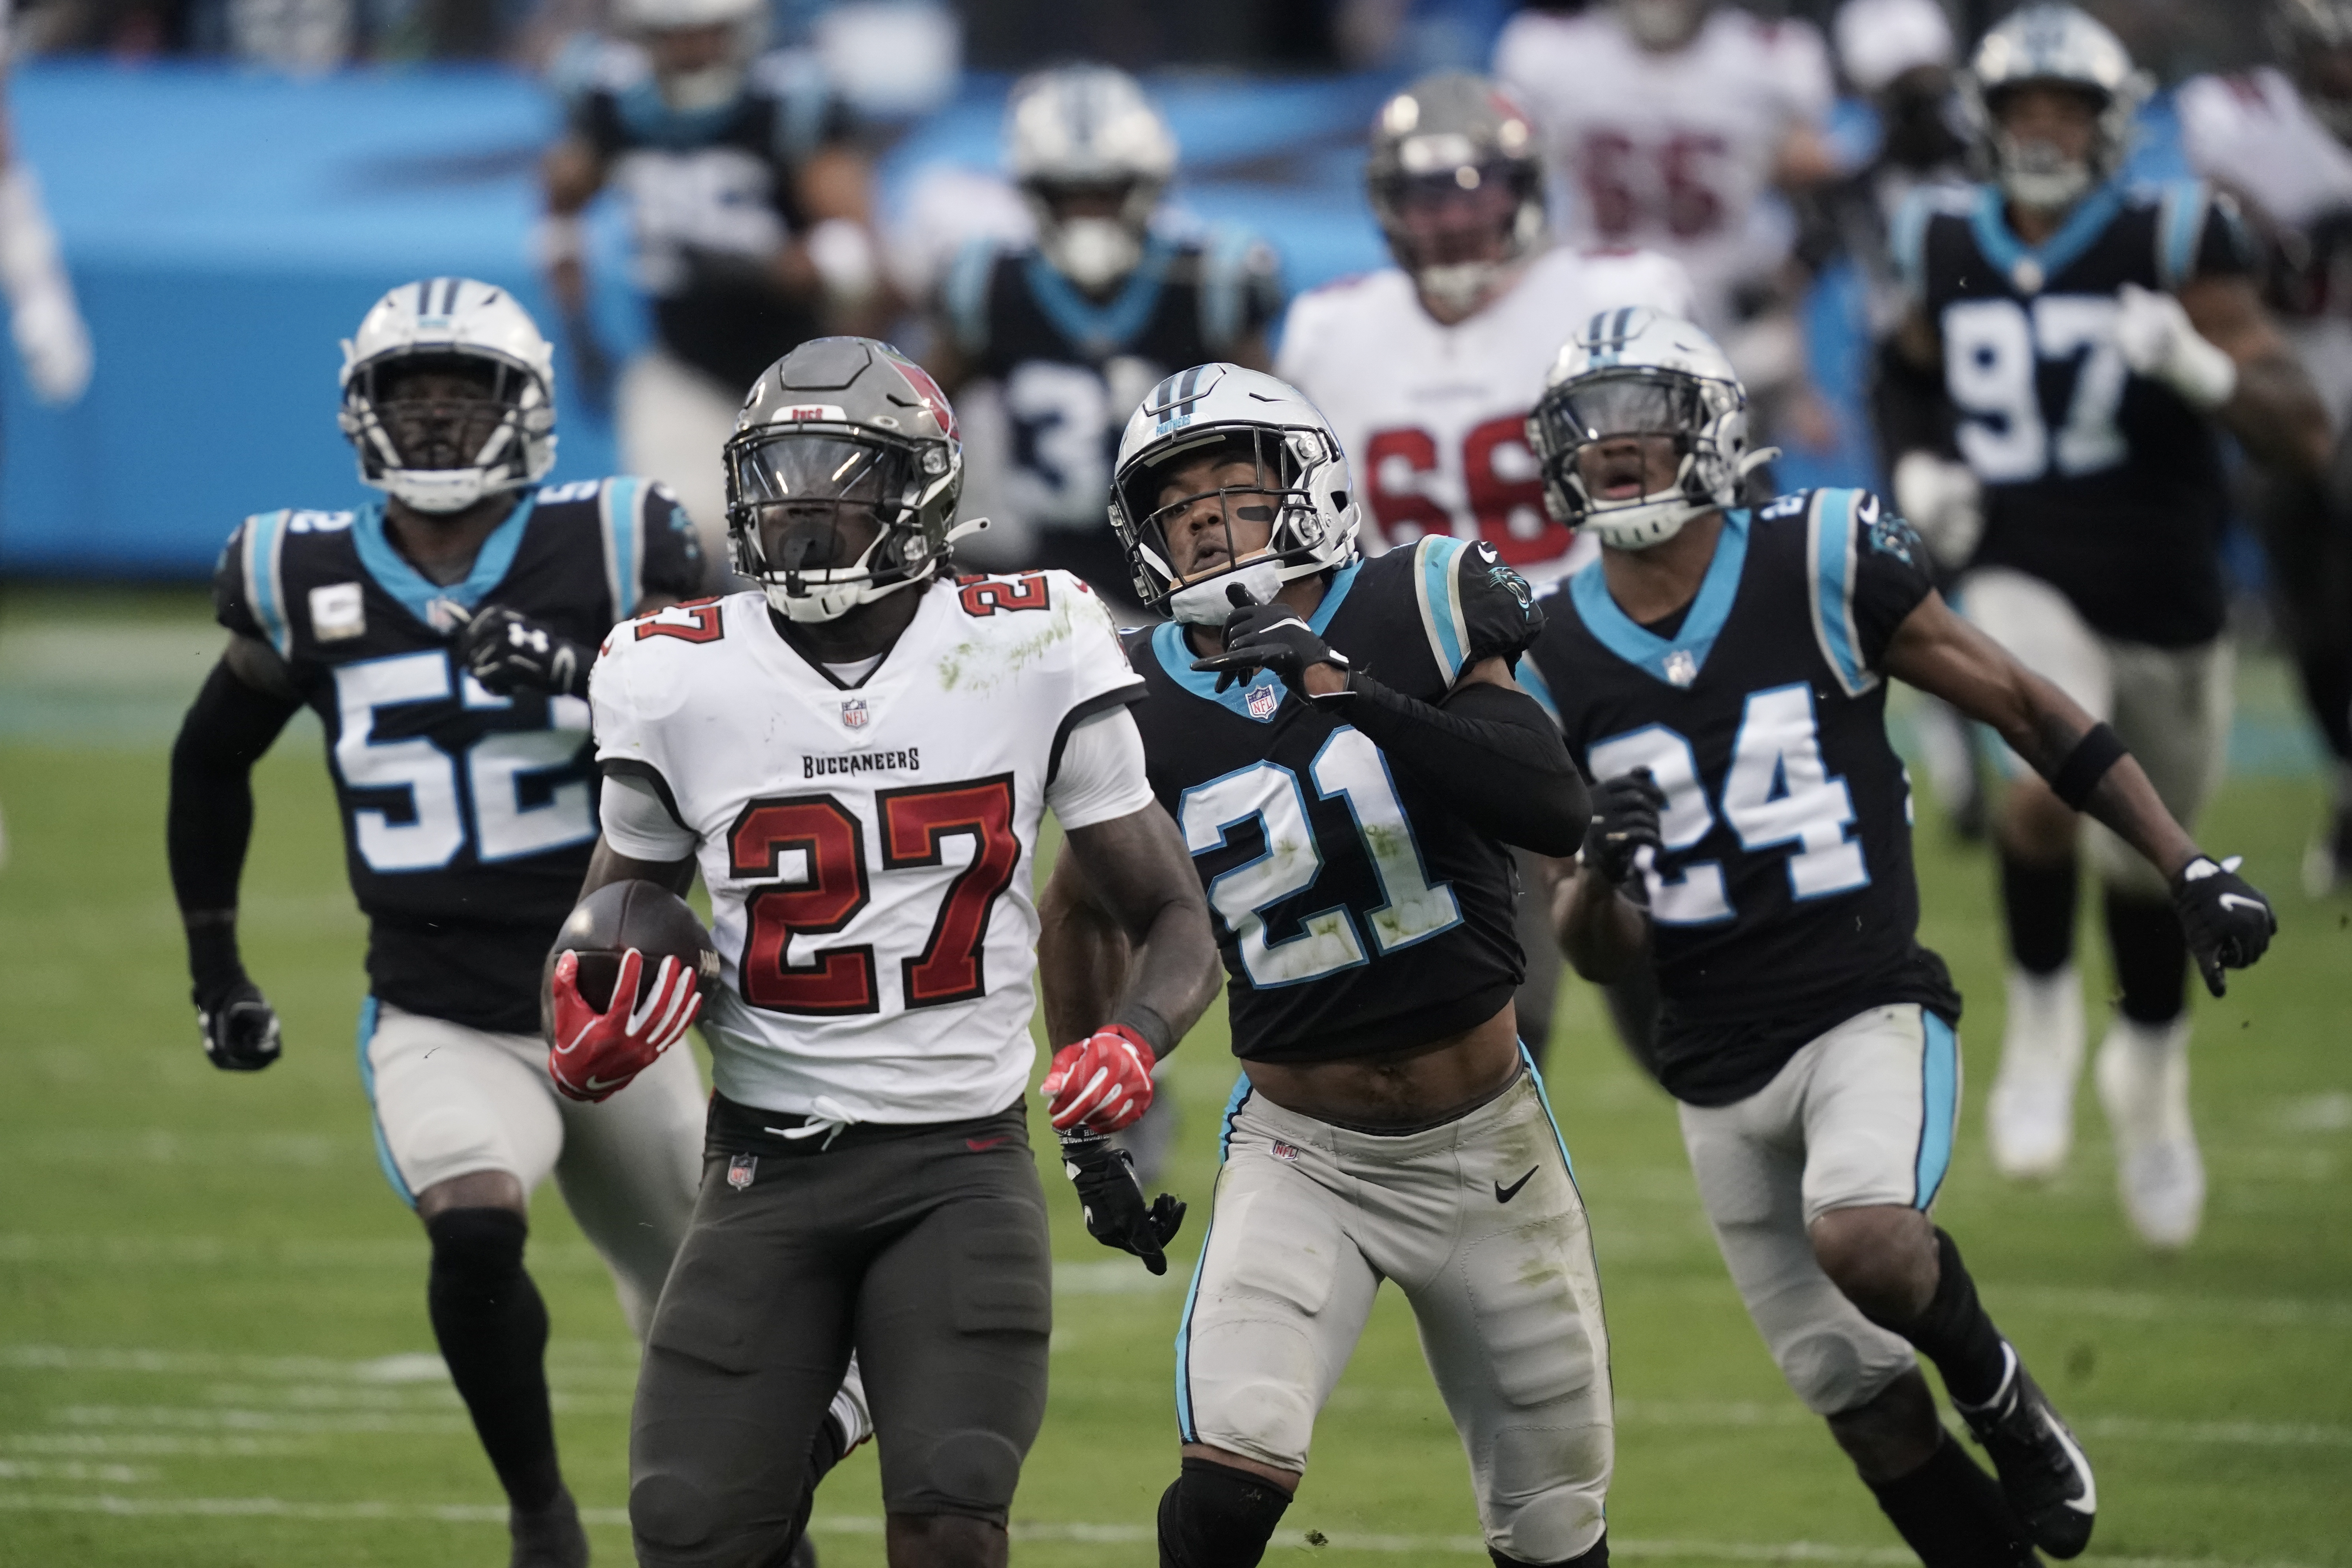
{"points": [[1993, 350]]}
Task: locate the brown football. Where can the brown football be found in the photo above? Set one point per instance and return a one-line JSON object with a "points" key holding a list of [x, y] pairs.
{"points": [[620, 916]]}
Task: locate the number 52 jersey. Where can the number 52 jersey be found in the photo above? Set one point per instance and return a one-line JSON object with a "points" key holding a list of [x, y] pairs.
{"points": [[867, 845], [1783, 902]]}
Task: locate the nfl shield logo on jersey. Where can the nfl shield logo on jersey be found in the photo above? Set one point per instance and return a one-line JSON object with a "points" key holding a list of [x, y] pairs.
{"points": [[1681, 667], [852, 713], [1262, 701]]}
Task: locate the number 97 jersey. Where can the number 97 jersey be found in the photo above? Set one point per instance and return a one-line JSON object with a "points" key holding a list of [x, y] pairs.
{"points": [[867, 845], [2104, 484]]}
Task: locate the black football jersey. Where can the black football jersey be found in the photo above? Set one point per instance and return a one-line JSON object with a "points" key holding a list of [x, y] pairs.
{"points": [[1783, 902], [1071, 369], [2102, 483], [1357, 914], [467, 817], [712, 199]]}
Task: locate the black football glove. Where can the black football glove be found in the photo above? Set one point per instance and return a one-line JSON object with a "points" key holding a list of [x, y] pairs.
{"points": [[1270, 636], [239, 1027], [1624, 823], [508, 652], [1116, 1214], [2227, 920]]}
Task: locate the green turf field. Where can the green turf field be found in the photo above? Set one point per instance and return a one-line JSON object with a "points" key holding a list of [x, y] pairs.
{"points": [[213, 1339]]}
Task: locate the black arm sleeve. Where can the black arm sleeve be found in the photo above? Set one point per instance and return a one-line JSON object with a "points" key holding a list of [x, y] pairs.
{"points": [[210, 817], [1909, 405], [1489, 752]]}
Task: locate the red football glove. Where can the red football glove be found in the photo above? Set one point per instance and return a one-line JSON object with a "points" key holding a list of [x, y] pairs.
{"points": [[1103, 1082], [596, 1055]]}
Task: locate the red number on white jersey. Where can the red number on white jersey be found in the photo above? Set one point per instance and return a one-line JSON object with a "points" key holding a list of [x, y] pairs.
{"points": [[1407, 511]]}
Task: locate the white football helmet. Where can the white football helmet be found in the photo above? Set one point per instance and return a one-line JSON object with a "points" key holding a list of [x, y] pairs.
{"points": [[2055, 46], [1210, 409], [1088, 129], [452, 323], [710, 87], [1637, 372]]}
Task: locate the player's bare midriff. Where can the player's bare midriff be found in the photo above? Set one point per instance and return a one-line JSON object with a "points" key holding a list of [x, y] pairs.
{"points": [[1399, 1090]]}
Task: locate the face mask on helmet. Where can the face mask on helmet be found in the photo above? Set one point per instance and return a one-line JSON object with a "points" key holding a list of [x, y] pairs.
{"points": [[1093, 234], [440, 431], [1454, 229], [825, 521], [1633, 454], [1219, 514], [2030, 135]]}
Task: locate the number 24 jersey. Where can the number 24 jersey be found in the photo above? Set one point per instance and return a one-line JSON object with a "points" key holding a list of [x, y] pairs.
{"points": [[1783, 901], [868, 848]]}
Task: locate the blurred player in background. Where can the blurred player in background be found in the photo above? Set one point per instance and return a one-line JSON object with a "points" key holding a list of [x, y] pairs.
{"points": [[868, 1180], [444, 638], [1111, 297], [1669, 124], [1347, 802], [750, 206], [1720, 673], [2087, 337], [1426, 369], [2277, 139]]}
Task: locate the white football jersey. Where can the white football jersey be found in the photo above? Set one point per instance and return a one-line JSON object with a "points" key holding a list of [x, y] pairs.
{"points": [[1671, 152], [2251, 135], [1432, 417], [867, 849]]}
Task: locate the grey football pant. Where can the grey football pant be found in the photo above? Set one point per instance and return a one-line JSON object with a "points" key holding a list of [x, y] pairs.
{"points": [[1480, 1224]]}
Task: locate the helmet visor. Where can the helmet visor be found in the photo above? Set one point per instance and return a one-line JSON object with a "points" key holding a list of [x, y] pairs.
{"points": [[818, 502], [1634, 404]]}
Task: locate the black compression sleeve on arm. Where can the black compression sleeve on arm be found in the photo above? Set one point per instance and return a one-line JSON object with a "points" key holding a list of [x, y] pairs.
{"points": [[210, 818], [1910, 407], [1490, 751]]}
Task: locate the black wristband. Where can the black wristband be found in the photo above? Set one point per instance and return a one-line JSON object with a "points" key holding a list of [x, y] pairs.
{"points": [[212, 960], [2099, 749], [1156, 1031]]}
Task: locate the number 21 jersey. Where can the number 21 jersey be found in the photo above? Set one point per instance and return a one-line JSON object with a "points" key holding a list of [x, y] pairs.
{"points": [[867, 847], [1783, 902]]}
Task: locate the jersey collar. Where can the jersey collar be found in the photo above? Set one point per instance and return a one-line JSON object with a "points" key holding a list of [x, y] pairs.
{"points": [[1678, 660], [1098, 328], [417, 592], [2031, 268], [1261, 697]]}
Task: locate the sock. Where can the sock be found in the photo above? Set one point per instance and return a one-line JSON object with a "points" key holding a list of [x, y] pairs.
{"points": [[2151, 958], [1953, 1514], [2039, 904], [1213, 1516], [1953, 1331], [492, 1327], [1593, 1556]]}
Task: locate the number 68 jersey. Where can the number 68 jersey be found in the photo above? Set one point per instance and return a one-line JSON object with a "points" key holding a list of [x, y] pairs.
{"points": [[1783, 901], [867, 844]]}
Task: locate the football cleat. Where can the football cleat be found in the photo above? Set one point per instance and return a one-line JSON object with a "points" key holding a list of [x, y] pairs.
{"points": [[2030, 1116], [2327, 862], [550, 1538], [849, 1411], [2143, 1077], [2043, 1471]]}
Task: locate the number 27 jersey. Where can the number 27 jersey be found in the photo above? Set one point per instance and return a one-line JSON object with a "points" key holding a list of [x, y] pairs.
{"points": [[867, 847]]}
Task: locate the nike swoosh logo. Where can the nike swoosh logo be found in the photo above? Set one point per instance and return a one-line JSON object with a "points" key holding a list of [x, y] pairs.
{"points": [[595, 1085], [981, 1145], [1504, 1194], [2240, 901]]}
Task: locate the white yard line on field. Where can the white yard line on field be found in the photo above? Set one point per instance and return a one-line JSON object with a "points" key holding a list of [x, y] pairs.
{"points": [[1022, 1530]]}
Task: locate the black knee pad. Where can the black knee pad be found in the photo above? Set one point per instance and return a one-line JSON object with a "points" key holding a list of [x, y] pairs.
{"points": [[1215, 1516], [477, 1253], [1593, 1556], [670, 1510], [2151, 957]]}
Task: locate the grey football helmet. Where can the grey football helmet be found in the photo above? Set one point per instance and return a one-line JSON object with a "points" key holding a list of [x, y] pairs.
{"points": [[841, 425], [2055, 46], [1457, 185]]}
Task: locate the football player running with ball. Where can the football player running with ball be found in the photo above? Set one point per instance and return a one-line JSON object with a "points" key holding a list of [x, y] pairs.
{"points": [[1347, 755], [444, 638], [2080, 337], [859, 758], [1721, 673]]}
